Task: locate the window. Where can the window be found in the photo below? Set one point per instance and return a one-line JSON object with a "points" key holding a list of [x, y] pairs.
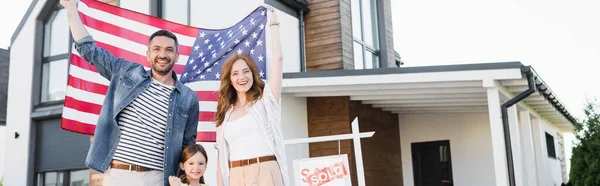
{"points": [[55, 56], [365, 34], [79, 178], [176, 11], [64, 178], [550, 145]]}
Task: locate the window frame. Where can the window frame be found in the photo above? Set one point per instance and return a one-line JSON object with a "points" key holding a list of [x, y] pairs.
{"points": [[375, 49], [39, 102], [41, 176], [160, 13], [550, 146]]}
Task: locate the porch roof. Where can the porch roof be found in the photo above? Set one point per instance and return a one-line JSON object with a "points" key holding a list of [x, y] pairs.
{"points": [[432, 89]]}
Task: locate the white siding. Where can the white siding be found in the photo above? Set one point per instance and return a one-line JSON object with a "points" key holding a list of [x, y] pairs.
{"points": [[19, 102], [295, 125], [3, 149], [470, 144], [141, 6], [550, 172]]}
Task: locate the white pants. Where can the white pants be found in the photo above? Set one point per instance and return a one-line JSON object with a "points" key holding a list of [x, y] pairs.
{"points": [[118, 177], [258, 174]]}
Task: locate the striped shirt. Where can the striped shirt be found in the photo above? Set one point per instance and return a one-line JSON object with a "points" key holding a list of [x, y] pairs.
{"points": [[143, 124]]}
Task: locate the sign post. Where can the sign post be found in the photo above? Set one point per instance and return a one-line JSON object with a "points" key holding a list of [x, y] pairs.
{"points": [[323, 171], [356, 135]]}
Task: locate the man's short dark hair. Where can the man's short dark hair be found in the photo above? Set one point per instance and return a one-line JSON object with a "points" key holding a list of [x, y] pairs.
{"points": [[165, 33]]}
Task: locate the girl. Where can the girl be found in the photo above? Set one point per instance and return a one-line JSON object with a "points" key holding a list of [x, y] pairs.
{"points": [[193, 164], [248, 120]]}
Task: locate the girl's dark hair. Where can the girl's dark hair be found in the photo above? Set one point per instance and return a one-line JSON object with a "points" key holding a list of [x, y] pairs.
{"points": [[187, 153]]}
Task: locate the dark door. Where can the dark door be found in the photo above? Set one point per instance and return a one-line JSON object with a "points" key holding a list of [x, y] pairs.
{"points": [[432, 165]]}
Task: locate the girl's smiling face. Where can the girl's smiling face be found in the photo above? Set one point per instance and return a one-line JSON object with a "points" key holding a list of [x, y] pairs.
{"points": [[194, 167]]}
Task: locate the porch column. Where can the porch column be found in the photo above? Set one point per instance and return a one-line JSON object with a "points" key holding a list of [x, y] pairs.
{"points": [[497, 134], [527, 150], [515, 141], [539, 147]]}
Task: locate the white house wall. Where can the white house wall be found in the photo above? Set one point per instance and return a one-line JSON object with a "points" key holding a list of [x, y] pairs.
{"points": [[550, 172], [142, 6], [470, 144], [294, 121], [3, 138], [19, 99]]}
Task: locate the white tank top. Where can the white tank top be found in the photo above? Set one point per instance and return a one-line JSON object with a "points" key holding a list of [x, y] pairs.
{"points": [[245, 139]]}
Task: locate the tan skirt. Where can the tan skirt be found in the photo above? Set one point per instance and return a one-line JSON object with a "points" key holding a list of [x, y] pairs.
{"points": [[263, 174]]}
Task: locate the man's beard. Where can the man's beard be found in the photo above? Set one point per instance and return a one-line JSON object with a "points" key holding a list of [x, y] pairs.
{"points": [[162, 71]]}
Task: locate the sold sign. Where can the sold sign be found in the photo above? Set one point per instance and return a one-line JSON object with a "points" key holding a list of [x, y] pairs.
{"points": [[324, 175]]}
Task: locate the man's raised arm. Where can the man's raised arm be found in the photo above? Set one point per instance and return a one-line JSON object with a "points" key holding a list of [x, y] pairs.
{"points": [[106, 63]]}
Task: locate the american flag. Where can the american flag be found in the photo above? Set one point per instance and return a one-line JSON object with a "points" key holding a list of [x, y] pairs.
{"points": [[125, 34]]}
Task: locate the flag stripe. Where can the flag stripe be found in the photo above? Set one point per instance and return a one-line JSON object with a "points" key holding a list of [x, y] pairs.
{"points": [[81, 63], [82, 105], [206, 136], [206, 116], [77, 126], [208, 95], [89, 76], [207, 126], [206, 85], [120, 31], [87, 86], [142, 18], [90, 97], [80, 116], [208, 106]]}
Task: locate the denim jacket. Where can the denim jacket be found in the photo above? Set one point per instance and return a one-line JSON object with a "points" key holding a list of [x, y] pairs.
{"points": [[127, 81]]}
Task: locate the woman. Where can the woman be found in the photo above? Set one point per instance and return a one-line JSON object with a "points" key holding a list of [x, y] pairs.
{"points": [[248, 120]]}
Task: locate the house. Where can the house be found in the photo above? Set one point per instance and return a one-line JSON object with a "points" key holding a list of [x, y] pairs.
{"points": [[435, 125]]}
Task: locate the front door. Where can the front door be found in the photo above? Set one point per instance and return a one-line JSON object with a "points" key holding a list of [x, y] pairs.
{"points": [[432, 165]]}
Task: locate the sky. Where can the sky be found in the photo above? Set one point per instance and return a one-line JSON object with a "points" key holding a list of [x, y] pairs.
{"points": [[11, 16], [559, 39]]}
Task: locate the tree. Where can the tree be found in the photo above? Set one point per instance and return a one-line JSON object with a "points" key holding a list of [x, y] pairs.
{"points": [[585, 161]]}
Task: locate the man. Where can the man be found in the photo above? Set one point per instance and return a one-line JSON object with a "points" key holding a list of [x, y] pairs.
{"points": [[147, 117]]}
